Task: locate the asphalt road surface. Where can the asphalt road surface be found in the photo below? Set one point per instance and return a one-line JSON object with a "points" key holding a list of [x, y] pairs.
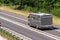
{"points": [[11, 21]]}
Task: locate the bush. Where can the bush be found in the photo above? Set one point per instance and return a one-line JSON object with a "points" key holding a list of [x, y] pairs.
{"points": [[31, 9], [43, 10], [56, 12], [27, 8]]}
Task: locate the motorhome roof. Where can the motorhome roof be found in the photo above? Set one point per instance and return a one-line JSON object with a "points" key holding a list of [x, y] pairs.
{"points": [[41, 14]]}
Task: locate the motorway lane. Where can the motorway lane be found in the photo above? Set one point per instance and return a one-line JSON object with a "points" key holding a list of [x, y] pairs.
{"points": [[17, 15], [19, 20], [24, 31], [52, 31]]}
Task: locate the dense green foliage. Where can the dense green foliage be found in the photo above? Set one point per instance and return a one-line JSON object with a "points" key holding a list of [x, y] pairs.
{"points": [[50, 6]]}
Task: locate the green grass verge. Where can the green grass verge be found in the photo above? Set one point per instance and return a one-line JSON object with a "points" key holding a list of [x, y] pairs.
{"points": [[7, 35], [56, 20]]}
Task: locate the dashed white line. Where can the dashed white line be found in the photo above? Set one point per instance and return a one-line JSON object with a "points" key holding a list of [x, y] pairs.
{"points": [[57, 30], [32, 29]]}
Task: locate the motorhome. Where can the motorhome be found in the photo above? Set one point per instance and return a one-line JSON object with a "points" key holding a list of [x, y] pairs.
{"points": [[40, 20]]}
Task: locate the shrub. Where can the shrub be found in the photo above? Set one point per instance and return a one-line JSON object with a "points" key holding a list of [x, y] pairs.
{"points": [[56, 12], [31, 9], [43, 10]]}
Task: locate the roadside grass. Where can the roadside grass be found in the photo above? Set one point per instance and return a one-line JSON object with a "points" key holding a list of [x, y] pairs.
{"points": [[56, 20], [9, 9], [7, 35]]}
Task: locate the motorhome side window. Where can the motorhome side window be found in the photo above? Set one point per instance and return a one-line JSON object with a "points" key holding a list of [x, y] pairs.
{"points": [[30, 16], [35, 18]]}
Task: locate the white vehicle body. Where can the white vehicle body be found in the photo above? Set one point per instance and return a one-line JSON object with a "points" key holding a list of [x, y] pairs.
{"points": [[40, 20]]}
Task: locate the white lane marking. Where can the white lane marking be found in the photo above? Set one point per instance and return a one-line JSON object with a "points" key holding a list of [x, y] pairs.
{"points": [[57, 30], [14, 17], [32, 29], [16, 34]]}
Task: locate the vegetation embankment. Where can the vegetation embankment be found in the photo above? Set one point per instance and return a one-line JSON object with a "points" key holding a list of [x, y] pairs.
{"points": [[46, 6], [7, 35]]}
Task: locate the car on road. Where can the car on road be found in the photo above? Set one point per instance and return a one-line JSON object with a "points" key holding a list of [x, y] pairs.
{"points": [[40, 20]]}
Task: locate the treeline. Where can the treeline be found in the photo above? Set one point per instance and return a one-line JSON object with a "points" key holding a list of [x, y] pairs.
{"points": [[50, 6]]}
